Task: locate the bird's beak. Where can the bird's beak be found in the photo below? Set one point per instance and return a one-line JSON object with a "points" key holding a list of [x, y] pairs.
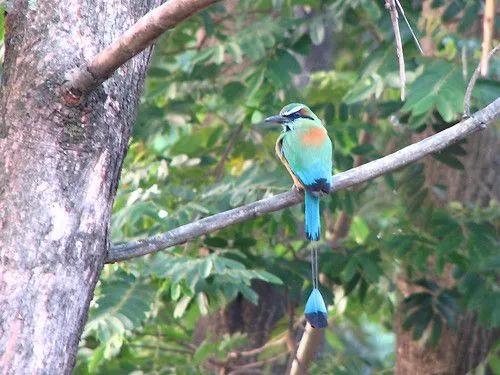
{"points": [[276, 119]]}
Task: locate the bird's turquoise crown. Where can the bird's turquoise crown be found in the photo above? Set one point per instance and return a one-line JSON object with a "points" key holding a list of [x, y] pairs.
{"points": [[292, 112], [297, 110]]}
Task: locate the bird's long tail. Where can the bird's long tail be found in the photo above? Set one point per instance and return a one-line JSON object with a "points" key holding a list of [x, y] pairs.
{"points": [[315, 310], [312, 219]]}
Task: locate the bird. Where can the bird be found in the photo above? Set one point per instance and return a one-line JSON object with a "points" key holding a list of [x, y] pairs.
{"points": [[305, 149]]}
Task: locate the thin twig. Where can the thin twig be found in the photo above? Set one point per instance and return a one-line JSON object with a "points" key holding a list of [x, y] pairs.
{"points": [[244, 368], [472, 82], [489, 14], [465, 72], [252, 352], [162, 348], [219, 168], [341, 181], [390, 5], [133, 41], [409, 26]]}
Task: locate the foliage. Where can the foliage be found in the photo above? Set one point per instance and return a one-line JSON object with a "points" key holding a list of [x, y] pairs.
{"points": [[203, 91]]}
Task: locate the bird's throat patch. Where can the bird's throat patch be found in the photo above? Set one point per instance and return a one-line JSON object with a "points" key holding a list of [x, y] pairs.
{"points": [[314, 136]]}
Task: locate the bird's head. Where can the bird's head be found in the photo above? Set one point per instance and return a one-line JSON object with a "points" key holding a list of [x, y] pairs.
{"points": [[295, 114]]}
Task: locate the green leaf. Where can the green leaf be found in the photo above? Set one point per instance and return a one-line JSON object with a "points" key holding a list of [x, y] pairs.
{"points": [[441, 85], [219, 51], [268, 277], [175, 291], [448, 315], [181, 306], [202, 304], [486, 91], [424, 105], [469, 17], [363, 90], [359, 229], [421, 324], [236, 52], [495, 315], [215, 242], [437, 328], [448, 300], [249, 294], [362, 149], [389, 180], [445, 109], [289, 62], [449, 160], [317, 31], [351, 284], [255, 83], [207, 21], [412, 319], [452, 10], [233, 91], [97, 359], [203, 351], [303, 45], [333, 340], [370, 268], [417, 299], [427, 284], [122, 305]]}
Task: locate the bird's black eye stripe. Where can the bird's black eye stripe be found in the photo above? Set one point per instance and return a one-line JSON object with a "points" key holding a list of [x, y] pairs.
{"points": [[295, 115], [287, 128]]}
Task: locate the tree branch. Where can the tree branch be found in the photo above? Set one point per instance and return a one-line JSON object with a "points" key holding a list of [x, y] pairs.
{"points": [[489, 14], [343, 180], [390, 5], [243, 369], [308, 344], [140, 36], [473, 80], [252, 352]]}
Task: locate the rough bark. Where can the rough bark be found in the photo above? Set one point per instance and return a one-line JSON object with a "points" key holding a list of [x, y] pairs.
{"points": [[461, 351], [128, 45], [59, 168]]}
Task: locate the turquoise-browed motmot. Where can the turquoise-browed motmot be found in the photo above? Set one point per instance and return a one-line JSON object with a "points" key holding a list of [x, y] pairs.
{"points": [[306, 151]]}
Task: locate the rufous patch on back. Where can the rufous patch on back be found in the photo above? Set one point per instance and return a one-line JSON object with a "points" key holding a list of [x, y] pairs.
{"points": [[314, 136]]}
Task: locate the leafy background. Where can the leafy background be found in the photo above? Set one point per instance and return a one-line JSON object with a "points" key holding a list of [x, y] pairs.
{"points": [[200, 147]]}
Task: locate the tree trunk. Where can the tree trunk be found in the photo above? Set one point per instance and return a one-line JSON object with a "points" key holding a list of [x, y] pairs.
{"points": [[59, 168], [479, 182]]}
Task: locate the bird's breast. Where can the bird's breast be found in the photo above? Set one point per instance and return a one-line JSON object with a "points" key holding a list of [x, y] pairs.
{"points": [[314, 136]]}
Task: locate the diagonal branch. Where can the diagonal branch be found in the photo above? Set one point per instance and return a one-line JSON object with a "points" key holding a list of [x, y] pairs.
{"points": [[136, 39], [473, 80], [363, 173]]}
